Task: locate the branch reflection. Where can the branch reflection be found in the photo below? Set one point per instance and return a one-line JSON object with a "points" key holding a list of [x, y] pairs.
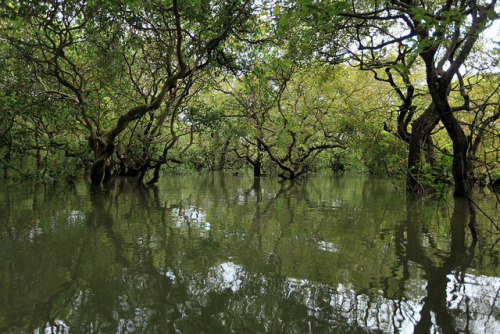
{"points": [[226, 254]]}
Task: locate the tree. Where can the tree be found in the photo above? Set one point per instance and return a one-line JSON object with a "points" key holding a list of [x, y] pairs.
{"points": [[396, 71], [39, 140], [254, 96], [443, 34], [294, 115], [177, 38]]}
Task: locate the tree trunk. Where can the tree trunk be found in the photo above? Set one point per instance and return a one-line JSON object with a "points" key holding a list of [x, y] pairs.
{"points": [[257, 164], [97, 171], [420, 138], [460, 146], [156, 176], [103, 153], [7, 160], [257, 169], [223, 155], [439, 87], [459, 167]]}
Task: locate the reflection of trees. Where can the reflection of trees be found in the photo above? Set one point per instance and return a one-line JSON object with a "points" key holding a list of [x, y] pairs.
{"points": [[299, 256], [34, 288], [435, 312]]}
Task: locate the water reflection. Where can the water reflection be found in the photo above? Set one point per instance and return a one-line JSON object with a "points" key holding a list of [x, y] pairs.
{"points": [[218, 253], [436, 260]]}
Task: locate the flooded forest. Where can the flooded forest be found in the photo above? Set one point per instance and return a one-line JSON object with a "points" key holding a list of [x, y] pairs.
{"points": [[199, 166]]}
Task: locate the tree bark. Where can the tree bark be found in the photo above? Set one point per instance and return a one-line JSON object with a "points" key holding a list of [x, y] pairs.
{"points": [[461, 178], [103, 153], [257, 169], [439, 84], [420, 139]]}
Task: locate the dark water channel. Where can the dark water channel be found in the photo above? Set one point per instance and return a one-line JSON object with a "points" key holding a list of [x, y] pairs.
{"points": [[223, 254]]}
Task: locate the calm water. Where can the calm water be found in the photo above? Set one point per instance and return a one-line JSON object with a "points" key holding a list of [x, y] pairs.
{"points": [[223, 254]]}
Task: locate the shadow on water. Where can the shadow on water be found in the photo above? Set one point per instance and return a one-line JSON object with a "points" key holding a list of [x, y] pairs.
{"points": [[218, 253]]}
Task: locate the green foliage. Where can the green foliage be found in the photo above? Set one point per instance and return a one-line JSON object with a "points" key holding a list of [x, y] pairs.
{"points": [[384, 155], [54, 168], [437, 177], [342, 161], [263, 92]]}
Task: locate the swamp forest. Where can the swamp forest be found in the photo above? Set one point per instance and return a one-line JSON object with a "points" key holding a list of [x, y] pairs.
{"points": [[282, 166]]}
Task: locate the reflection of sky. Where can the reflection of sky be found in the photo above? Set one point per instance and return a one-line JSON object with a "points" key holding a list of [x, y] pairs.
{"points": [[327, 246], [475, 297], [242, 196], [74, 217], [252, 295], [191, 217], [227, 276], [478, 296], [58, 327], [335, 203], [139, 321]]}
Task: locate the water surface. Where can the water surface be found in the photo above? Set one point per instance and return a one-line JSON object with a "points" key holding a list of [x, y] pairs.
{"points": [[218, 253]]}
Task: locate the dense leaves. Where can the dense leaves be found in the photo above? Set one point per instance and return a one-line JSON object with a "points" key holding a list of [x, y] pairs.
{"points": [[105, 88]]}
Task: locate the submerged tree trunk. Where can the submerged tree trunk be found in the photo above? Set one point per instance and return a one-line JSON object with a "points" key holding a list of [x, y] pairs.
{"points": [[103, 152], [440, 49], [97, 171], [460, 161], [257, 163], [257, 169], [156, 175], [439, 88], [457, 135], [420, 143]]}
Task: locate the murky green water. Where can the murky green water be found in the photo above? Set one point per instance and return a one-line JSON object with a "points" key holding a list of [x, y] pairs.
{"points": [[223, 254]]}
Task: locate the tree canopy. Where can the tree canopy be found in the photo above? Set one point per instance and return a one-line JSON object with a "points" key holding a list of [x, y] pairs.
{"points": [[106, 88]]}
